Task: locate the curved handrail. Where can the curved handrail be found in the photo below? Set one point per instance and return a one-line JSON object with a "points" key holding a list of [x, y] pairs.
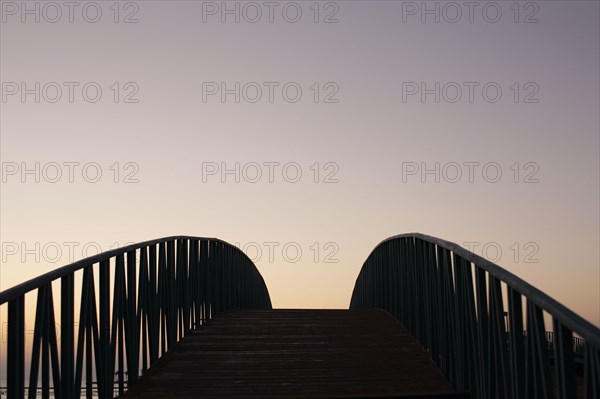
{"points": [[34, 283], [161, 289], [427, 283], [584, 328]]}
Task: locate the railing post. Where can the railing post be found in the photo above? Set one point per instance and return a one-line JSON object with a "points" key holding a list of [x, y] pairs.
{"points": [[591, 372], [163, 297], [564, 363], [142, 320], [517, 350], [16, 348], [537, 365], [497, 339], [204, 286], [131, 326], [195, 284], [67, 335], [153, 306], [118, 321], [105, 375], [172, 296]]}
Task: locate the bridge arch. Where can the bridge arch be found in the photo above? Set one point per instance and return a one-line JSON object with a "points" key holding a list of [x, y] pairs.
{"points": [[483, 326], [148, 296]]}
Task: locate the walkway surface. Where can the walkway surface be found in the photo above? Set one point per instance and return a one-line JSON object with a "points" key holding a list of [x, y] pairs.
{"points": [[296, 354]]}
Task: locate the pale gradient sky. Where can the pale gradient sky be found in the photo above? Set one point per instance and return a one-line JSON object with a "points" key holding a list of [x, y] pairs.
{"points": [[369, 133]]}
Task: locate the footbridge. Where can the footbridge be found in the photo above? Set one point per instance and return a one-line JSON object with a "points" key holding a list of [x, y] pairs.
{"points": [[191, 317]]}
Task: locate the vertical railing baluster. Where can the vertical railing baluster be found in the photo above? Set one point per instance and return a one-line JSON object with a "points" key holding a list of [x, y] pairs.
{"points": [[118, 320], [45, 331], [194, 284], [142, 307], [460, 331], [81, 335], [204, 286], [131, 324], [94, 341], [497, 339], [179, 294], [435, 317], [153, 305], [216, 269], [516, 346], [37, 347], [591, 372], [537, 364], [67, 335], [16, 348], [470, 325], [212, 282], [444, 325], [171, 301], [105, 377], [53, 345], [88, 358], [482, 332], [564, 363], [185, 275], [163, 296]]}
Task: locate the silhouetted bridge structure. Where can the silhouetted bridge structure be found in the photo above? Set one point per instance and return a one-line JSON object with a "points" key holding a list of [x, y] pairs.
{"points": [[191, 317]]}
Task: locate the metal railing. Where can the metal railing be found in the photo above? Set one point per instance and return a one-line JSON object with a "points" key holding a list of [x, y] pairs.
{"points": [[454, 303], [161, 289]]}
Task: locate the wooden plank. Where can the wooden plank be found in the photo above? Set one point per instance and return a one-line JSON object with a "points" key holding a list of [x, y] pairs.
{"points": [[296, 354]]}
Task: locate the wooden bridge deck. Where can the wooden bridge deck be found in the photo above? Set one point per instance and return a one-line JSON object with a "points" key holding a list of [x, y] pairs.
{"points": [[296, 354]]}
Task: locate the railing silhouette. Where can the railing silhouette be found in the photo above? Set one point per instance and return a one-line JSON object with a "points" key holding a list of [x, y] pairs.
{"points": [[161, 289], [453, 302]]}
